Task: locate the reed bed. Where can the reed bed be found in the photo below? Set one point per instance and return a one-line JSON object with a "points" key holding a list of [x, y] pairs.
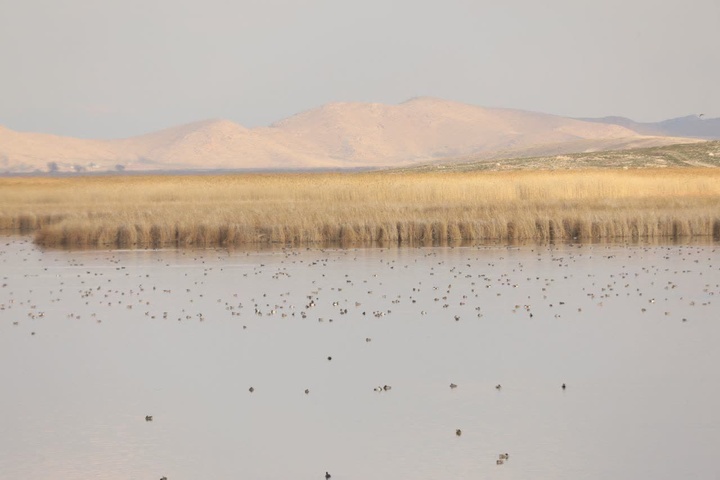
{"points": [[361, 209]]}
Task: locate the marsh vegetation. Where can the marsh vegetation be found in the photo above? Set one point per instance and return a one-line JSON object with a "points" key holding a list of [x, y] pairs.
{"points": [[362, 208]]}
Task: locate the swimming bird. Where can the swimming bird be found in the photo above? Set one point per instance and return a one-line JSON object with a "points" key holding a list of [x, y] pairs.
{"points": [[458, 432], [327, 476], [251, 389], [452, 385], [498, 386], [504, 456], [563, 386], [148, 418]]}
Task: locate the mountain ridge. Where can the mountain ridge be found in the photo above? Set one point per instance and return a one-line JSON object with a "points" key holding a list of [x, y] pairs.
{"points": [[691, 126], [334, 135]]}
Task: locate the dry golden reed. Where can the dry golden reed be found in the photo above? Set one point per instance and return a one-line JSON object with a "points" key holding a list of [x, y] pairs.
{"points": [[368, 208]]}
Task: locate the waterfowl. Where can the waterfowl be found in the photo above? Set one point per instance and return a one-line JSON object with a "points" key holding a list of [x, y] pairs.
{"points": [[387, 387], [504, 456], [500, 462], [458, 432], [307, 390], [327, 476], [148, 418], [563, 386], [452, 385], [498, 386], [251, 389]]}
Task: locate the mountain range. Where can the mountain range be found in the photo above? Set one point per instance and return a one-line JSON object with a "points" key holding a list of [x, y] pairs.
{"points": [[347, 135], [693, 126]]}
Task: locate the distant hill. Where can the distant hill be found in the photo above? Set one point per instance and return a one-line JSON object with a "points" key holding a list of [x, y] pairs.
{"points": [[701, 154], [337, 135], [692, 126]]}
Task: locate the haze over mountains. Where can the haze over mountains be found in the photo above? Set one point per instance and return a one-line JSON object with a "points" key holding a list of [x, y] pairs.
{"points": [[339, 135], [693, 126]]}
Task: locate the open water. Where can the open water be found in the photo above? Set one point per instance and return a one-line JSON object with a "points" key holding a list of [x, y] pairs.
{"points": [[92, 342]]}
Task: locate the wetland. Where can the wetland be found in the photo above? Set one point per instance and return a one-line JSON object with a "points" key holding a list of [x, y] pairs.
{"points": [[273, 363]]}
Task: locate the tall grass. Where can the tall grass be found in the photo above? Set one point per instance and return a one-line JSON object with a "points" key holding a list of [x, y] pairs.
{"points": [[351, 209]]}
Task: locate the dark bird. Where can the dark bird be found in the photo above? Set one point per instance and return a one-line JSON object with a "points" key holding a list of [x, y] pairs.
{"points": [[251, 389], [563, 386], [458, 432], [148, 418], [327, 476]]}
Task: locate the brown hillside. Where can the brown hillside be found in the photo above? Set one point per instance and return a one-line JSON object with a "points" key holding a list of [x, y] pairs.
{"points": [[336, 135]]}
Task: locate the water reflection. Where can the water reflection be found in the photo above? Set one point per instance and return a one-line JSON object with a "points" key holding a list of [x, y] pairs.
{"points": [[183, 335]]}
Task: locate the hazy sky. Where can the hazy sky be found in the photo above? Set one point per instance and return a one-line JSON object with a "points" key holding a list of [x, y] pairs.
{"points": [[106, 69]]}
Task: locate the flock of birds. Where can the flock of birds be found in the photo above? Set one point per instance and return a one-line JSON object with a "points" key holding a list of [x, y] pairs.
{"points": [[450, 290]]}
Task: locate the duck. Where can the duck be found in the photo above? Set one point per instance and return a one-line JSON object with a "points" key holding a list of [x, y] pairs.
{"points": [[504, 456], [148, 418], [498, 386], [251, 389], [500, 462], [563, 386], [458, 432], [452, 385], [327, 476]]}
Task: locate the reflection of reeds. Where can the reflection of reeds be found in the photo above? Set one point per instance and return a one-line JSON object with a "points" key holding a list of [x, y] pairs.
{"points": [[347, 209]]}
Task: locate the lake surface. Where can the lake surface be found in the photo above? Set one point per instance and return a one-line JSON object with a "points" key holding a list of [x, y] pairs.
{"points": [[93, 341]]}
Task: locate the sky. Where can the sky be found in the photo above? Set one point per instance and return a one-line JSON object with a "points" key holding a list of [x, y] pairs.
{"points": [[114, 69]]}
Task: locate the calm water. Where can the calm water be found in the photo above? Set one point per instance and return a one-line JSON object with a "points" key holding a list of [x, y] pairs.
{"points": [[91, 342]]}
